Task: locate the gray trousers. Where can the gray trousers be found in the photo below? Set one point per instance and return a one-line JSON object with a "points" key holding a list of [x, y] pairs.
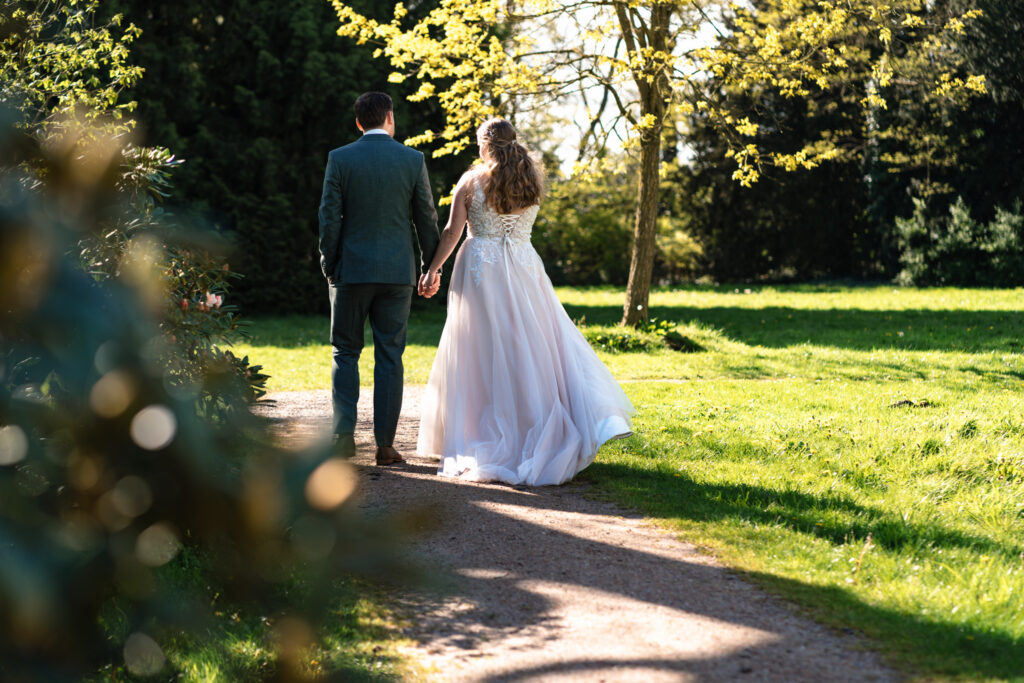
{"points": [[387, 307]]}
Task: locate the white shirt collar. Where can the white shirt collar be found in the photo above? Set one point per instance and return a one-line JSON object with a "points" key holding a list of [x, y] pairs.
{"points": [[376, 131]]}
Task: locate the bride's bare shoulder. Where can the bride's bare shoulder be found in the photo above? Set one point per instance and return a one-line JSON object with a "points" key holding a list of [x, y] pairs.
{"points": [[470, 177], [466, 186]]}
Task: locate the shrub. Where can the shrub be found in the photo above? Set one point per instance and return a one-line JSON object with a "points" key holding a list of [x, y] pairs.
{"points": [[66, 69], [955, 249], [584, 232], [619, 339], [652, 334]]}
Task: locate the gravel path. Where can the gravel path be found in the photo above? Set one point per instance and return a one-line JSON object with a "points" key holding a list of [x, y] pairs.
{"points": [[548, 584]]}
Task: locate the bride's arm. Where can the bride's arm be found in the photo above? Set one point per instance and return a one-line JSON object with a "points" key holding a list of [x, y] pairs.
{"points": [[453, 230]]}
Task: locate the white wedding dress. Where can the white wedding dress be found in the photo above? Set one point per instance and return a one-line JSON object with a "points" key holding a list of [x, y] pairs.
{"points": [[516, 393]]}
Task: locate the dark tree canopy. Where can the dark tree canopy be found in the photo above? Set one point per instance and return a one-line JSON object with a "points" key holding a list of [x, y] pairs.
{"points": [[253, 95]]}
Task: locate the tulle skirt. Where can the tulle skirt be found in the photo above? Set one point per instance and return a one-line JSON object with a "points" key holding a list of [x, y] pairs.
{"points": [[516, 394]]}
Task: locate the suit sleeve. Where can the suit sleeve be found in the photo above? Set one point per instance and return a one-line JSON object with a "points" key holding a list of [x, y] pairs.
{"points": [[424, 216], [330, 221]]}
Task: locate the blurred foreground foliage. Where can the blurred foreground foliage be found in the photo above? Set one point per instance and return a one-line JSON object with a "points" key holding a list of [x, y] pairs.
{"points": [[182, 272], [107, 469], [66, 70]]}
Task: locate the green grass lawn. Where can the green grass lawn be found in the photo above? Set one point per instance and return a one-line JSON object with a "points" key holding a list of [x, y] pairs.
{"points": [[781, 448]]}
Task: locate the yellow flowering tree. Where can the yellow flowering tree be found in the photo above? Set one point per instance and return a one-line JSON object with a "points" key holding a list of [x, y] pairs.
{"points": [[59, 62], [634, 65]]}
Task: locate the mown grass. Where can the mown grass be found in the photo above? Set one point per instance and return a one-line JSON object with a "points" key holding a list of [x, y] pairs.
{"points": [[296, 352], [859, 450], [906, 523]]}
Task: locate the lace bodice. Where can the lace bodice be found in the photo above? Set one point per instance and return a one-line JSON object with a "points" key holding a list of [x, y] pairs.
{"points": [[496, 240], [485, 222]]}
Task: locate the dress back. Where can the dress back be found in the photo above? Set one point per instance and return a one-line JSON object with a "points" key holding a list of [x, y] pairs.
{"points": [[485, 222]]}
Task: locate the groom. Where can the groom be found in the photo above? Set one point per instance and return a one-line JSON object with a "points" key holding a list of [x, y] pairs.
{"points": [[375, 191]]}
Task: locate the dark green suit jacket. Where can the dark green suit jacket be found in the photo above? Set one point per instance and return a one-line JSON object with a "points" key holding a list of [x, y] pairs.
{"points": [[375, 191]]}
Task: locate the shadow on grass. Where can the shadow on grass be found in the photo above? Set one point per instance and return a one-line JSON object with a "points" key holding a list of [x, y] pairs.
{"points": [[857, 329], [773, 327], [836, 519], [470, 521], [925, 643]]}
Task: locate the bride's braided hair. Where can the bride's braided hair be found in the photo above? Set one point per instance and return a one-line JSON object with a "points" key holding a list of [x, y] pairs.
{"points": [[512, 178]]}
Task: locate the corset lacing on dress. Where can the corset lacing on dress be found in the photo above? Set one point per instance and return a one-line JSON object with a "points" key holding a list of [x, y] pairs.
{"points": [[490, 232]]}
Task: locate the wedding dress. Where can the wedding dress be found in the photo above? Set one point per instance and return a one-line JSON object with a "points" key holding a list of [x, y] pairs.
{"points": [[516, 394]]}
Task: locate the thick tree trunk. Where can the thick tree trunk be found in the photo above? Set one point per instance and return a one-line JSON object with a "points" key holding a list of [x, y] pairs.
{"points": [[645, 229]]}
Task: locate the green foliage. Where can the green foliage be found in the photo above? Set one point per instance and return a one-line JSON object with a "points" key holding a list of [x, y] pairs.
{"points": [[619, 339], [837, 220], [57, 62], [959, 250], [185, 278], [253, 95], [585, 227], [651, 334], [67, 71], [668, 332], [107, 471]]}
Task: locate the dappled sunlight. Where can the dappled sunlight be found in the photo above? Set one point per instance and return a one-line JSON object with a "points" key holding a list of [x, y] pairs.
{"points": [[905, 495], [545, 565]]}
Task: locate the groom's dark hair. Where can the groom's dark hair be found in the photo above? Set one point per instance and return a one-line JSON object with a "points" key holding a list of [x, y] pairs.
{"points": [[372, 109]]}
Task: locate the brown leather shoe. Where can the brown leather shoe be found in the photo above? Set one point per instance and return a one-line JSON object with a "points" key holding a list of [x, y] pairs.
{"points": [[387, 455]]}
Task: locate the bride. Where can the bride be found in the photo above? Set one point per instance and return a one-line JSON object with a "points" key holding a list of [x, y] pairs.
{"points": [[515, 394]]}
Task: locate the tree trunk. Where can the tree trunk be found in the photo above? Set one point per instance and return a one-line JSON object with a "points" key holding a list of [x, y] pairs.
{"points": [[645, 229], [653, 84]]}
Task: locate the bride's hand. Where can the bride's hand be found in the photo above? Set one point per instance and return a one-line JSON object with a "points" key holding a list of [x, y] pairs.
{"points": [[433, 283], [429, 284]]}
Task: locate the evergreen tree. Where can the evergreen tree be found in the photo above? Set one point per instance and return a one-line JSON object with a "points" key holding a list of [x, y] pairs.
{"points": [[253, 95]]}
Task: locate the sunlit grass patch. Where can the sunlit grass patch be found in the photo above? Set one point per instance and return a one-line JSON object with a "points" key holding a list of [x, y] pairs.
{"points": [[296, 352], [894, 520], [859, 450]]}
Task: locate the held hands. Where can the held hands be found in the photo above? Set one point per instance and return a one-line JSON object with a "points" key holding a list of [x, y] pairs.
{"points": [[429, 284]]}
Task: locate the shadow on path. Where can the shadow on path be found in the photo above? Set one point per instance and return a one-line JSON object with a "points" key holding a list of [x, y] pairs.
{"points": [[549, 584]]}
